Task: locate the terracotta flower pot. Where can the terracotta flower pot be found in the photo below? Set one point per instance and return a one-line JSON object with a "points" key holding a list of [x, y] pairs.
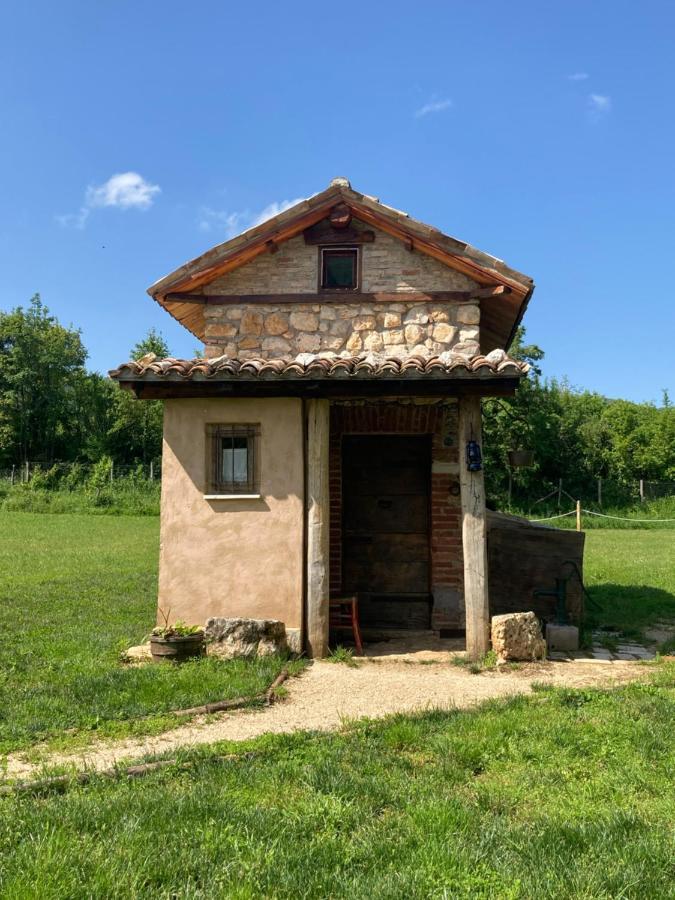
{"points": [[177, 649]]}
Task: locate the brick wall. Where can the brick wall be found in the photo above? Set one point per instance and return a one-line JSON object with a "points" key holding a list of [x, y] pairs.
{"points": [[338, 327], [439, 419]]}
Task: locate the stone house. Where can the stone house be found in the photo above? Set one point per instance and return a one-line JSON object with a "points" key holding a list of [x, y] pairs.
{"points": [[329, 440]]}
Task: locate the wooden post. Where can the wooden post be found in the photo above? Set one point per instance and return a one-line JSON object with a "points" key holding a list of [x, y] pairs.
{"points": [[600, 492], [152, 471], [474, 534], [13, 473], [578, 515], [112, 468], [559, 493], [317, 512], [28, 472], [642, 491]]}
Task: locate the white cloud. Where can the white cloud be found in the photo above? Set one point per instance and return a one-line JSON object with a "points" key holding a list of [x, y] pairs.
{"points": [[433, 106], [230, 224], [578, 76], [599, 105], [127, 190]]}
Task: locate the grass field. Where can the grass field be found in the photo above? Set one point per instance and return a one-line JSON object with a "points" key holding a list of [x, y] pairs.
{"points": [[567, 794], [75, 591], [563, 794], [631, 574]]}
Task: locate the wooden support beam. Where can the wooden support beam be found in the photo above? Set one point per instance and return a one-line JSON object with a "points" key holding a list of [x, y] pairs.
{"points": [[317, 502], [271, 246], [326, 297], [487, 292], [474, 533]]}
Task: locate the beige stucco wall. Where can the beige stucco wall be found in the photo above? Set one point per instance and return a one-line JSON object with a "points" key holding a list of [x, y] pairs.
{"points": [[232, 557]]}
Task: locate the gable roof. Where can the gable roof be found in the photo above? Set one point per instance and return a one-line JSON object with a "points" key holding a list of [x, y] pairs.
{"points": [[500, 314]]}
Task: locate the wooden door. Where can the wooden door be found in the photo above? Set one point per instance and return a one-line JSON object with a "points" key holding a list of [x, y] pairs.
{"points": [[385, 507]]}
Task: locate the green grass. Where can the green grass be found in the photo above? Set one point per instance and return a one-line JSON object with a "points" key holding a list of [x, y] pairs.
{"points": [[122, 497], [74, 591], [631, 575], [566, 794]]}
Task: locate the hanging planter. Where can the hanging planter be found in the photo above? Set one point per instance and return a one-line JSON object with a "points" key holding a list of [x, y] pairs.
{"points": [[519, 459]]}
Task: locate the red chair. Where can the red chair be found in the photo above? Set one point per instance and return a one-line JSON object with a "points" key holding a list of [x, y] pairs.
{"points": [[343, 615]]}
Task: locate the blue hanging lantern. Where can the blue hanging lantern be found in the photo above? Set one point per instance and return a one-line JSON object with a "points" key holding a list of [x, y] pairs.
{"points": [[474, 458]]}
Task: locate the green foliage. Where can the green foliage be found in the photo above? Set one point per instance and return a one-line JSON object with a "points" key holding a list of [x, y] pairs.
{"points": [[343, 655], [575, 435], [178, 629], [79, 489], [153, 342], [42, 380], [51, 408]]}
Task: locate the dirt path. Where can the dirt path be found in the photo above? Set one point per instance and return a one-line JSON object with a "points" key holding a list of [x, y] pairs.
{"points": [[327, 695]]}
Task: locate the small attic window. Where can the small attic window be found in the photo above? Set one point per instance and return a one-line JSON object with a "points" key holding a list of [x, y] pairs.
{"points": [[339, 268]]}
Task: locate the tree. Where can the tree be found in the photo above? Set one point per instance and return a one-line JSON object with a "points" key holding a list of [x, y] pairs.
{"points": [[41, 376], [153, 342], [135, 432]]}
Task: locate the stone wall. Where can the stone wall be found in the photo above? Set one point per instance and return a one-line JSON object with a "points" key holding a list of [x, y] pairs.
{"points": [[336, 326], [342, 329]]}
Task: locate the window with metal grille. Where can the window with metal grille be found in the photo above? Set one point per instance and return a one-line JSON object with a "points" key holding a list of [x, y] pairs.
{"points": [[339, 268], [233, 459]]}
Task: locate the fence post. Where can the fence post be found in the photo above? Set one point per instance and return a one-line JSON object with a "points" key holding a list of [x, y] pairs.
{"points": [[599, 491], [112, 468], [13, 467], [642, 491], [559, 493], [152, 471], [27, 471], [578, 515]]}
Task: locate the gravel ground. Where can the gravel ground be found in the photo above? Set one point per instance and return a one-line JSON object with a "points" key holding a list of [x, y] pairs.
{"points": [[328, 695]]}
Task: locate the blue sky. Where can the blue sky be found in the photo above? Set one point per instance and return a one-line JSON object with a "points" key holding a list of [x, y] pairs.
{"points": [[543, 133]]}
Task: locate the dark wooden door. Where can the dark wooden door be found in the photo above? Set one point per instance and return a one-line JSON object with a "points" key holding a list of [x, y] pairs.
{"points": [[385, 508]]}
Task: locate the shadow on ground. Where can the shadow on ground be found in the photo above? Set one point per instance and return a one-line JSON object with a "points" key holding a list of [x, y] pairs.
{"points": [[627, 607]]}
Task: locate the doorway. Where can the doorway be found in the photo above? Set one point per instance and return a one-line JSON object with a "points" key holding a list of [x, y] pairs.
{"points": [[385, 529]]}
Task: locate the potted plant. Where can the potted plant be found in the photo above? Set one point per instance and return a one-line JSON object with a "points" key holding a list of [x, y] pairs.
{"points": [[176, 642]]}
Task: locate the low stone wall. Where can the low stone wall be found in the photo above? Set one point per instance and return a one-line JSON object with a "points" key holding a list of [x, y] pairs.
{"points": [[342, 329]]}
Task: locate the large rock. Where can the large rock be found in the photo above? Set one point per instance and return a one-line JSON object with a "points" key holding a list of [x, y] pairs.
{"points": [[517, 636], [234, 638]]}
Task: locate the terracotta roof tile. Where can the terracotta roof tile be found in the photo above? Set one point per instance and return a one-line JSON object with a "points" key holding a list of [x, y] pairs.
{"points": [[311, 367]]}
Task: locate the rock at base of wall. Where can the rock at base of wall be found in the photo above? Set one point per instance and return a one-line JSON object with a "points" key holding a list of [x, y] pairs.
{"points": [[563, 638], [236, 638], [517, 636]]}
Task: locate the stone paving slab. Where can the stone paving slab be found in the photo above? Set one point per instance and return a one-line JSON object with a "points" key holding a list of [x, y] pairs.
{"points": [[631, 652]]}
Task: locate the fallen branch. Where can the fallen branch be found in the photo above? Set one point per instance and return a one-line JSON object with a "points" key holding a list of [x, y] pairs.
{"points": [[238, 703], [138, 771]]}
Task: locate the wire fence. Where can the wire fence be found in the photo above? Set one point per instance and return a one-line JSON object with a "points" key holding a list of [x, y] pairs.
{"points": [[605, 493], [59, 471]]}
